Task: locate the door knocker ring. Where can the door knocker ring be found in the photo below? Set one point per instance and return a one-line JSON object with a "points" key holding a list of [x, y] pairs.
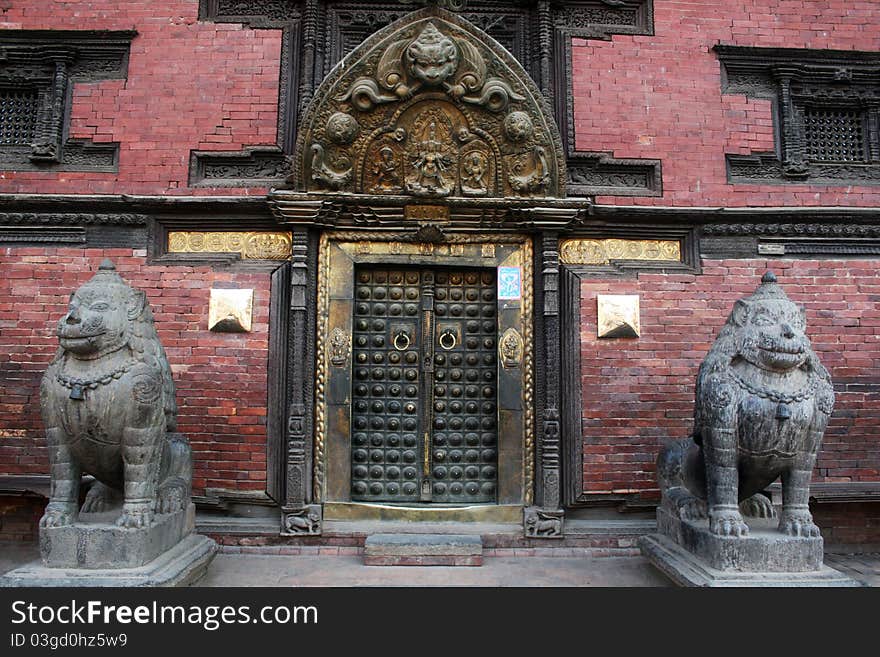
{"points": [[447, 334], [405, 336]]}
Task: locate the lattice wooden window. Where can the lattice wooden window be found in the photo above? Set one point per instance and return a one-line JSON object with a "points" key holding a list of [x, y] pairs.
{"points": [[19, 111], [835, 134]]}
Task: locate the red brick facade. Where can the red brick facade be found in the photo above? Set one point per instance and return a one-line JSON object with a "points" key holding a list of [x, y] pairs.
{"points": [[660, 96], [209, 86], [191, 86], [639, 393], [220, 377]]}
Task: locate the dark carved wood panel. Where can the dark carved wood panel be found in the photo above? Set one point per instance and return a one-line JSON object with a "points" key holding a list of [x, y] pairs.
{"points": [[38, 70], [319, 33], [826, 114]]}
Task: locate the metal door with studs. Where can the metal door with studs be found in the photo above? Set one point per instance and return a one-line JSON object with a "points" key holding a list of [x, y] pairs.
{"points": [[424, 414]]}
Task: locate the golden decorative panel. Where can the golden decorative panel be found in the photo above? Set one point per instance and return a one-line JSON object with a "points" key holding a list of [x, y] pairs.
{"points": [[603, 251], [251, 245]]}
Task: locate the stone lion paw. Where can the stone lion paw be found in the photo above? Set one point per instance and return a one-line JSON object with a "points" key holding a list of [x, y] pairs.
{"points": [[58, 514], [727, 522], [798, 524], [99, 498], [757, 506], [135, 515]]}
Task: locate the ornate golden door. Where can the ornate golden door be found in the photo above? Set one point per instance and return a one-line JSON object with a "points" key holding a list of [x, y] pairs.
{"points": [[424, 412]]}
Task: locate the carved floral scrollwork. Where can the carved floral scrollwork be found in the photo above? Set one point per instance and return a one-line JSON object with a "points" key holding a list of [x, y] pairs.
{"points": [[429, 107]]}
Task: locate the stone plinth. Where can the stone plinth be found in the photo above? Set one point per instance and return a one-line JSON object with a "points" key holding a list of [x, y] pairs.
{"points": [[689, 554], [182, 565], [96, 542], [95, 552], [423, 550]]}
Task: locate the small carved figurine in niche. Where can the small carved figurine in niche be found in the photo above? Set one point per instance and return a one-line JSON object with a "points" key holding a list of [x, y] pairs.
{"points": [[473, 174], [386, 176], [763, 400], [107, 401], [543, 524]]}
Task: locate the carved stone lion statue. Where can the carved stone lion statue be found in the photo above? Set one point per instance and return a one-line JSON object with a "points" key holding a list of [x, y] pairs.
{"points": [[762, 403], [108, 405]]}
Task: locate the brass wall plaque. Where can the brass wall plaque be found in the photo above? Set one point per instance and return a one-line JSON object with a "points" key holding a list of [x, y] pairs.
{"points": [[618, 316], [602, 252], [426, 212], [251, 245], [230, 311]]}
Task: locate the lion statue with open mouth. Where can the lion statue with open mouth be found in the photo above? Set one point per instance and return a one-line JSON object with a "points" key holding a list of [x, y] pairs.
{"points": [[763, 401], [108, 405]]}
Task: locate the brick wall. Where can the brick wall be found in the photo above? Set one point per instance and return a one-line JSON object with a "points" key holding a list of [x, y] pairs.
{"points": [[190, 86], [20, 517], [660, 96], [639, 392], [220, 377], [209, 86]]}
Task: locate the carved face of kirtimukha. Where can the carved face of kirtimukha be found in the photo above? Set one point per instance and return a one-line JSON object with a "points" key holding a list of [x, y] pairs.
{"points": [[432, 57], [96, 321], [773, 334]]}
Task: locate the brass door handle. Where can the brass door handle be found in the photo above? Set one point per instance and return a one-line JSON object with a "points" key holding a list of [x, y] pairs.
{"points": [[449, 333], [397, 338]]}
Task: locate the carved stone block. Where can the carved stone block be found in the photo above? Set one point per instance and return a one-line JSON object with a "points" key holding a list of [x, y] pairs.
{"points": [[302, 522], [543, 523]]}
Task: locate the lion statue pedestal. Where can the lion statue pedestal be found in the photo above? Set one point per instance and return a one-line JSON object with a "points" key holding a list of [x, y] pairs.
{"points": [[107, 401], [762, 403]]}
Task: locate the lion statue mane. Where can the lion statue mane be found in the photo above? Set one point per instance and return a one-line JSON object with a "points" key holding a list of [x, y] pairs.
{"points": [[107, 401]]}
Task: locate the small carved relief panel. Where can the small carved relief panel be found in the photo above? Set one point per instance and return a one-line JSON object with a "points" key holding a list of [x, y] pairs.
{"points": [[429, 107], [250, 245], [604, 251]]}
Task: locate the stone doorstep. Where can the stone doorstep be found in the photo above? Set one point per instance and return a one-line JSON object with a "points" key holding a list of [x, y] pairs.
{"points": [[423, 550]]}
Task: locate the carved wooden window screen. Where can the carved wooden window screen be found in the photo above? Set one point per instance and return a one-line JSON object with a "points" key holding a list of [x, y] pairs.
{"points": [[19, 111], [835, 134]]}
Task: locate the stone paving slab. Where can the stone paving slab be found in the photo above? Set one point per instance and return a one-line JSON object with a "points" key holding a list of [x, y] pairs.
{"points": [[348, 570]]}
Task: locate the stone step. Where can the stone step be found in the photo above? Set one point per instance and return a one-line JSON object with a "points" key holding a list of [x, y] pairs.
{"points": [[423, 550]]}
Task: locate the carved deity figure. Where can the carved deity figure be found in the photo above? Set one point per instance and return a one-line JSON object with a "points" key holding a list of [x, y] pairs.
{"points": [[762, 403], [107, 402], [473, 174], [385, 173], [431, 163]]}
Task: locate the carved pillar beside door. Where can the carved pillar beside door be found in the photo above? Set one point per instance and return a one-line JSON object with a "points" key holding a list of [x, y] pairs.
{"points": [[298, 516]]}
